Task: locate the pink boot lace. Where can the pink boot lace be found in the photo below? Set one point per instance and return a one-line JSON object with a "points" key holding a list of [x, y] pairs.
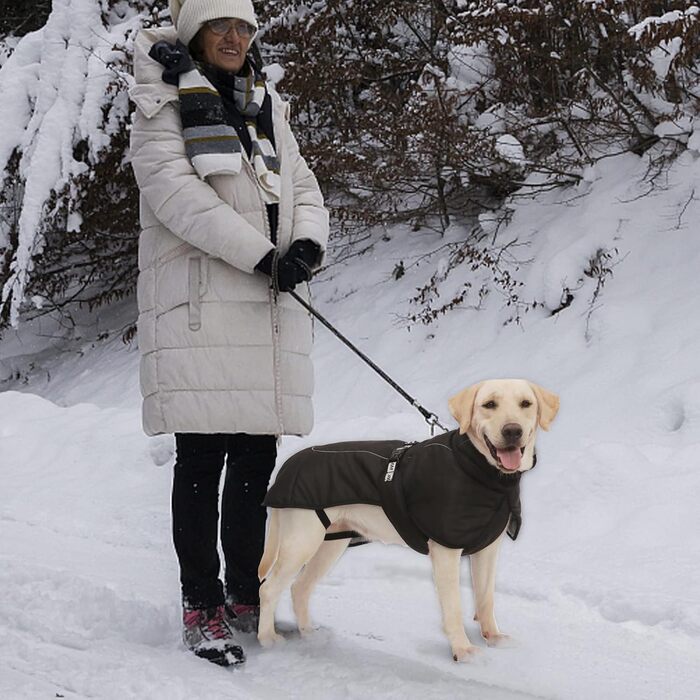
{"points": [[240, 609], [211, 620]]}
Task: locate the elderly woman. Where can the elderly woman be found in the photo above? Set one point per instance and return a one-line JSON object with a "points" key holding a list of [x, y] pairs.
{"points": [[232, 218]]}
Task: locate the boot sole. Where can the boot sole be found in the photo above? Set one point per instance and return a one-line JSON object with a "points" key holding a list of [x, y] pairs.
{"points": [[231, 656]]}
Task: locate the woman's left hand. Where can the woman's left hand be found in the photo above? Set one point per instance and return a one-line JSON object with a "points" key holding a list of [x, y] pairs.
{"points": [[305, 254], [287, 270]]}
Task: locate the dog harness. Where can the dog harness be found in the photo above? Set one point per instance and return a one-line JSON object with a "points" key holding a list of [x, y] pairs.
{"points": [[442, 489]]}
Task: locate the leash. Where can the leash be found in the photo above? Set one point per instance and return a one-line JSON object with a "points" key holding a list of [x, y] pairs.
{"points": [[431, 418]]}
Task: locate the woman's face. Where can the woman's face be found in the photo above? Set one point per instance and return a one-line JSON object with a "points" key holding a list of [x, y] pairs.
{"points": [[225, 43]]}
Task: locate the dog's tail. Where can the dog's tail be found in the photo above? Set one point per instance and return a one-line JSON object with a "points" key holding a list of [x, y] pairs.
{"points": [[272, 545]]}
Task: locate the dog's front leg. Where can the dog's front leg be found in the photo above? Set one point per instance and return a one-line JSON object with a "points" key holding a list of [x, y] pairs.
{"points": [[446, 574], [483, 566]]}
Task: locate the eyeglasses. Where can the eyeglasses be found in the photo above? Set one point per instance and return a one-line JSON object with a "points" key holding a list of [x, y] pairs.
{"points": [[223, 26]]}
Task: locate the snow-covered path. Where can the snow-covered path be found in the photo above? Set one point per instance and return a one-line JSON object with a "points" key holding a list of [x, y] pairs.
{"points": [[89, 604]]}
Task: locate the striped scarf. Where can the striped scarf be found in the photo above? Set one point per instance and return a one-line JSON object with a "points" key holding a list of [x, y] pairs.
{"points": [[212, 144]]}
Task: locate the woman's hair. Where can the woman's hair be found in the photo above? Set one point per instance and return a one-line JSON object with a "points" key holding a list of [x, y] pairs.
{"points": [[196, 46]]}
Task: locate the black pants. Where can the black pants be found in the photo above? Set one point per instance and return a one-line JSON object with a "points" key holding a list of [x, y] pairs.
{"points": [[199, 461]]}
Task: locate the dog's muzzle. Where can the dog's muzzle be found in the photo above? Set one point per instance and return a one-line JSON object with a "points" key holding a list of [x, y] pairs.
{"points": [[509, 457]]}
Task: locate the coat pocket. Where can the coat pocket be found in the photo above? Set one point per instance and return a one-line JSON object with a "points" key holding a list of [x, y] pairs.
{"points": [[195, 281], [174, 253]]}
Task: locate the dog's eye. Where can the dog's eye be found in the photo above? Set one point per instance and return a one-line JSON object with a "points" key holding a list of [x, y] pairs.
{"points": [[490, 404], [525, 404]]}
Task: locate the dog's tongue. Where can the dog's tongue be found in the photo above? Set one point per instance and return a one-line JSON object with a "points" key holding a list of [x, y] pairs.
{"points": [[510, 459]]}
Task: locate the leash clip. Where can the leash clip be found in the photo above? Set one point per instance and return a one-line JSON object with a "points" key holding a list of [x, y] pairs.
{"points": [[432, 420]]}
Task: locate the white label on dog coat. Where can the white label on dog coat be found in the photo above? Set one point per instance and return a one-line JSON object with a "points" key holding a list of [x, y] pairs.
{"points": [[390, 471]]}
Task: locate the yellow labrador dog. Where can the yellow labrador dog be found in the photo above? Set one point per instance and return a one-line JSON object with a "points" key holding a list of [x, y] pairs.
{"points": [[494, 445]]}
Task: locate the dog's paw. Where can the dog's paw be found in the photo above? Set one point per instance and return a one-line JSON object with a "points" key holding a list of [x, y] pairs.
{"points": [[268, 641], [308, 631], [499, 640], [465, 653]]}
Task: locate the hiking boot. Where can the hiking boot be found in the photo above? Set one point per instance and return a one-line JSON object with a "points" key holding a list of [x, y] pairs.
{"points": [[242, 617], [207, 632]]}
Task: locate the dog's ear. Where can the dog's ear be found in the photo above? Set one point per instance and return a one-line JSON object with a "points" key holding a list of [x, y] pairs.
{"points": [[462, 406], [547, 405]]}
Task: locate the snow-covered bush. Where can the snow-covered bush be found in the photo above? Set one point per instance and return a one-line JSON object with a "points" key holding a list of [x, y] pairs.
{"points": [[592, 76], [436, 113], [68, 204]]}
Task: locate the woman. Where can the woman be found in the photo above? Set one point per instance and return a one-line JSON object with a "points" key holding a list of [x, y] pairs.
{"points": [[232, 218]]}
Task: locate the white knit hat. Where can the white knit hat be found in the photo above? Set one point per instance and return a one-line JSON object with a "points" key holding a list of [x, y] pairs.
{"points": [[189, 15]]}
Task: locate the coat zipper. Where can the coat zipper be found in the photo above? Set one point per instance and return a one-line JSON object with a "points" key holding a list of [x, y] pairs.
{"points": [[274, 316]]}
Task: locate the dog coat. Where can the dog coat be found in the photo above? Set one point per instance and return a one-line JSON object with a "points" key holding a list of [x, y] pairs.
{"points": [[441, 489]]}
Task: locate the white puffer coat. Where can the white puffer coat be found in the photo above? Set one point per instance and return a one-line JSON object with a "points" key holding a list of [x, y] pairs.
{"points": [[218, 353]]}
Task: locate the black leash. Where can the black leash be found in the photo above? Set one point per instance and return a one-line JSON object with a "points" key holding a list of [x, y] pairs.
{"points": [[430, 418]]}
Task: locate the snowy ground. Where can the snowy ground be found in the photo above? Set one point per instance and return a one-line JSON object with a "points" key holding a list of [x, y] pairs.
{"points": [[601, 588]]}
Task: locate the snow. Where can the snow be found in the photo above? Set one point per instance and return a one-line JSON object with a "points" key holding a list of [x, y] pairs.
{"points": [[492, 120], [599, 591], [510, 149], [7, 46], [665, 53], [470, 66], [274, 72], [676, 16]]}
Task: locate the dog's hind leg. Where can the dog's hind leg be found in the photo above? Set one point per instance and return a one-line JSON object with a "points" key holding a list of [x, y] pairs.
{"points": [[272, 545], [327, 554], [301, 534]]}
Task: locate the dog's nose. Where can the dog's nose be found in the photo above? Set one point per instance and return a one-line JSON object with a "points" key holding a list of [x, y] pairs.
{"points": [[511, 432]]}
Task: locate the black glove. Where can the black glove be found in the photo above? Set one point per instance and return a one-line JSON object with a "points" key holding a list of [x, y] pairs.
{"points": [[305, 253], [174, 57], [294, 266], [286, 273]]}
